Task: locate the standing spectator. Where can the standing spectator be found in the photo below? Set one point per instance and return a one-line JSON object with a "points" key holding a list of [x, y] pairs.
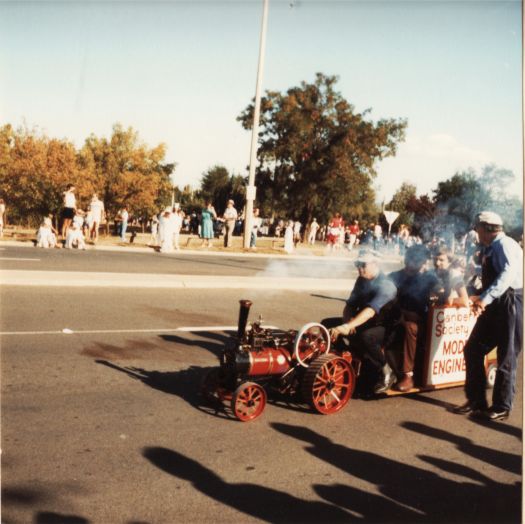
{"points": [[2, 215], [288, 237], [334, 229], [499, 309], [70, 205], [403, 236], [208, 214], [230, 217], [297, 232], [96, 210], [256, 224], [354, 232], [123, 217], [166, 231], [154, 230], [312, 231], [177, 217], [378, 236]]}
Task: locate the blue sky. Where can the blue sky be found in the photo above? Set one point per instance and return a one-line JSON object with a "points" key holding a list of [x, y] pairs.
{"points": [[180, 72]]}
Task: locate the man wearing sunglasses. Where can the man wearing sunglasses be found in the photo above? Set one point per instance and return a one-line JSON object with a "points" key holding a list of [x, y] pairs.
{"points": [[363, 318]]}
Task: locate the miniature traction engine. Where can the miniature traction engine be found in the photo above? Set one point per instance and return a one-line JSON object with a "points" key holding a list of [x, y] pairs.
{"points": [[296, 363]]}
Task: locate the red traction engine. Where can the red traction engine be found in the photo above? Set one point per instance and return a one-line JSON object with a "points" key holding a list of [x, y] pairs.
{"points": [[296, 363]]}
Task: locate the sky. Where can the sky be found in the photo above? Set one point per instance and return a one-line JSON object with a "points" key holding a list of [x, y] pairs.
{"points": [[180, 72]]}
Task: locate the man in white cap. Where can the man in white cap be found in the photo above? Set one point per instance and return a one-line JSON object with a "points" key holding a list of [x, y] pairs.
{"points": [[363, 314], [230, 216], [499, 309]]}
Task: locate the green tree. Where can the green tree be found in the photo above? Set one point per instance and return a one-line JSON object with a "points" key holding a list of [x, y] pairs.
{"points": [[405, 194], [316, 154], [219, 186]]}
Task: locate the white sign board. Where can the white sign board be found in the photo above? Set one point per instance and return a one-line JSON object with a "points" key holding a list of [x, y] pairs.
{"points": [[450, 328]]}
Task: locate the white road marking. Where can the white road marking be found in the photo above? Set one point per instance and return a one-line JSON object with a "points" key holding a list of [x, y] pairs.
{"points": [[68, 331], [21, 259]]}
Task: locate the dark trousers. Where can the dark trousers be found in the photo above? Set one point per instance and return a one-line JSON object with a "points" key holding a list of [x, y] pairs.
{"points": [[367, 343], [501, 326]]}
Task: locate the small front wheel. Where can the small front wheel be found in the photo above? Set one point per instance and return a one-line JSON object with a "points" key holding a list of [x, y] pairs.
{"points": [[328, 384], [248, 401]]}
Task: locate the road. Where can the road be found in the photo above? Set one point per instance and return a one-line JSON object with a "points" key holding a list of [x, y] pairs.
{"points": [[103, 423]]}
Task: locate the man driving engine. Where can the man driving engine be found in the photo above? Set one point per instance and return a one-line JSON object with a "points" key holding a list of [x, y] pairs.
{"points": [[363, 321]]}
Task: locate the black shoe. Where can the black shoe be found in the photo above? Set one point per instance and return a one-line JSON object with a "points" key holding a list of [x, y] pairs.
{"points": [[493, 414], [388, 380], [469, 407]]}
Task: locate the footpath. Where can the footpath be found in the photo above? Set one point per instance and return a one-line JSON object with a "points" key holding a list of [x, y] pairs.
{"points": [[266, 248]]}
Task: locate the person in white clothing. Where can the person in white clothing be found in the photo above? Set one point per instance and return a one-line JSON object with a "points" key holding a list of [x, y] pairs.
{"points": [[312, 231], [177, 216], [96, 212], [166, 231], [70, 205], [2, 213], [288, 237], [229, 217], [74, 237], [45, 237]]}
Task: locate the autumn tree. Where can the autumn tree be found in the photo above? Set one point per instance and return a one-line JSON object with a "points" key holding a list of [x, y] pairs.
{"points": [[34, 171], [128, 172], [316, 154]]}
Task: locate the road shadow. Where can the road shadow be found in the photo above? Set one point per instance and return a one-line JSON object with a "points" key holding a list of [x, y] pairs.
{"points": [[338, 299], [261, 502], [432, 497], [49, 517], [184, 384], [215, 343], [501, 459]]}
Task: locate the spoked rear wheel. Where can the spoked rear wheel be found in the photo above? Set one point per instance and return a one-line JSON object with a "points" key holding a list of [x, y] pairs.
{"points": [[328, 384], [248, 401]]}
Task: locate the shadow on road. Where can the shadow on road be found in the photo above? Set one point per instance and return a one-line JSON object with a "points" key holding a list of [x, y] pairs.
{"points": [[184, 383], [257, 501], [416, 493]]}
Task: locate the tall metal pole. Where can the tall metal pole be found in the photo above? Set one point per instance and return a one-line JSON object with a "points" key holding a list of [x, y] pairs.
{"points": [[250, 188]]}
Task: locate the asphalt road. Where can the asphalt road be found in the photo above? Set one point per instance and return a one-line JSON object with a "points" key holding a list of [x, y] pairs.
{"points": [[126, 261], [105, 424]]}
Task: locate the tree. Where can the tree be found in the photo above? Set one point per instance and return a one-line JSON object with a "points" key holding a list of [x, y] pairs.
{"points": [[466, 194], [218, 186], [127, 172], [316, 154], [405, 194]]}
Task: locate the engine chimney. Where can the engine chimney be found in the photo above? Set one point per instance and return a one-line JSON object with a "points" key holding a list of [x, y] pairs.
{"points": [[244, 311]]}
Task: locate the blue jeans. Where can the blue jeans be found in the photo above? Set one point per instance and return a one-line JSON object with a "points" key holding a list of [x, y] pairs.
{"points": [[123, 228]]}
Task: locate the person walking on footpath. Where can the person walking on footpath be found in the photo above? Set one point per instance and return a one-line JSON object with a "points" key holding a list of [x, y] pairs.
{"points": [[177, 216], [499, 309], [68, 212], [230, 217], [353, 230]]}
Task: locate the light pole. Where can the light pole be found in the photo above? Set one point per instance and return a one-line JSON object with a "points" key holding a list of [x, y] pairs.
{"points": [[250, 188]]}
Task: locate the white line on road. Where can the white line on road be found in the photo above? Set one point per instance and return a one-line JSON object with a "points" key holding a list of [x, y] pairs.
{"points": [[21, 259], [67, 331]]}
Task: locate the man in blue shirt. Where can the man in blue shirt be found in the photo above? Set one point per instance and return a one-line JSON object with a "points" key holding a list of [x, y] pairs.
{"points": [[499, 309], [363, 321]]}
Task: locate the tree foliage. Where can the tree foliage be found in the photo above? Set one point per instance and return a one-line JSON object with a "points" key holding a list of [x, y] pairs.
{"points": [[316, 154], [218, 186], [35, 170]]}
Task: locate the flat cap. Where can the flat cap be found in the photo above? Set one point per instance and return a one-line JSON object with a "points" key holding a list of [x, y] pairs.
{"points": [[488, 217]]}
